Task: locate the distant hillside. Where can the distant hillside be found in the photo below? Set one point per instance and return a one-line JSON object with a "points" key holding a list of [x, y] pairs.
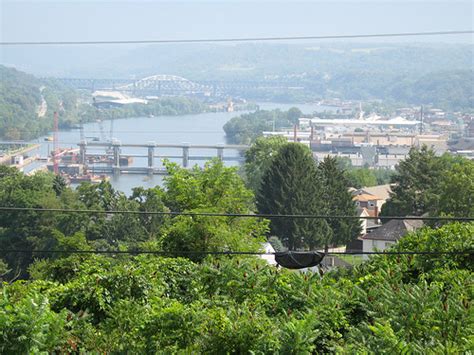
{"points": [[27, 104], [449, 89], [20, 99], [407, 73]]}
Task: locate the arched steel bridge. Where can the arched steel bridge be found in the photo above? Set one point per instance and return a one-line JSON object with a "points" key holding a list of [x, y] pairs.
{"points": [[173, 84]]}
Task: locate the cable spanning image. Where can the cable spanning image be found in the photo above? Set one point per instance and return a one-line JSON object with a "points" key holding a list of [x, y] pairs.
{"points": [[243, 39], [244, 215]]}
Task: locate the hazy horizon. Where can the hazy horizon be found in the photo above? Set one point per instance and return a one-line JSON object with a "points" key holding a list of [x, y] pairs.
{"points": [[88, 20]]}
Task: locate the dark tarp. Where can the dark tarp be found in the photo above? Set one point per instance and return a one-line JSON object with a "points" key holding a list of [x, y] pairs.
{"points": [[298, 259]]}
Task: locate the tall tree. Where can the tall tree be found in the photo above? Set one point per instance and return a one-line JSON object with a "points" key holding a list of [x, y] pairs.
{"points": [[456, 190], [259, 157], [216, 189], [336, 201], [290, 186], [416, 181]]}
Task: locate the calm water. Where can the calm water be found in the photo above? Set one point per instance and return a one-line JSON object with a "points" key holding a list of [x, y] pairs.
{"points": [[205, 128]]}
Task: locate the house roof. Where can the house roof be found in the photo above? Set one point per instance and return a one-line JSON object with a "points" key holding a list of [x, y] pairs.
{"points": [[382, 191], [393, 230], [365, 197]]}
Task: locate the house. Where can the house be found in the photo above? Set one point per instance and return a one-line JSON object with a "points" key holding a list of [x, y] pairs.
{"points": [[371, 203], [371, 198], [388, 234], [362, 212], [381, 191]]}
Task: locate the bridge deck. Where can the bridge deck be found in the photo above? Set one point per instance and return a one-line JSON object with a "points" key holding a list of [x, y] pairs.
{"points": [[181, 146]]}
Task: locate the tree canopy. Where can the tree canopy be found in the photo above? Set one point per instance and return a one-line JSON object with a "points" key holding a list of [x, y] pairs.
{"points": [[143, 304], [336, 200], [428, 184], [259, 157], [179, 302], [214, 188], [290, 186]]}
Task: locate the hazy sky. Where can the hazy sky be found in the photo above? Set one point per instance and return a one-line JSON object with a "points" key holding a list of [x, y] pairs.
{"points": [[112, 20]]}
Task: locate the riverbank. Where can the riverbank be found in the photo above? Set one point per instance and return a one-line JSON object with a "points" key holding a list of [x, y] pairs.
{"points": [[195, 129]]}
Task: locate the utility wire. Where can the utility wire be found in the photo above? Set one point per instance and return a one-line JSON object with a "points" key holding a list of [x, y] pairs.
{"points": [[243, 39], [187, 252], [214, 214]]}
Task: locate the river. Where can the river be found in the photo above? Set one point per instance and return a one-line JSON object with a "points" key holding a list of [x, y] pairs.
{"points": [[205, 128]]}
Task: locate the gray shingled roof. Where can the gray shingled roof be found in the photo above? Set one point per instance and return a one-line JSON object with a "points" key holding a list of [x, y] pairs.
{"points": [[394, 229]]}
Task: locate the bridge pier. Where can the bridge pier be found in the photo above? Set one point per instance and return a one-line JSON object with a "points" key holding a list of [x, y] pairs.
{"points": [[185, 155], [151, 157], [116, 150]]}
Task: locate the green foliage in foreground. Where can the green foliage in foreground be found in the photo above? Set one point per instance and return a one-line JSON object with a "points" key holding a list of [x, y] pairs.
{"points": [[145, 304], [215, 188]]}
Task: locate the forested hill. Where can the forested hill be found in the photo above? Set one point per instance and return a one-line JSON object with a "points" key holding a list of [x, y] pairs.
{"points": [[450, 89], [20, 98], [441, 74], [27, 104]]}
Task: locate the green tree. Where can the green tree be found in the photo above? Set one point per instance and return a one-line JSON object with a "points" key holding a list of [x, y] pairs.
{"points": [[59, 184], [259, 157], [337, 201], [416, 181], [214, 189], [456, 190], [24, 230], [361, 178], [290, 186], [215, 186], [294, 114]]}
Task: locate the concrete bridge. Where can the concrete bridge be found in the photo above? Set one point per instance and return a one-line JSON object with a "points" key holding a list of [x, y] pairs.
{"points": [[114, 148]]}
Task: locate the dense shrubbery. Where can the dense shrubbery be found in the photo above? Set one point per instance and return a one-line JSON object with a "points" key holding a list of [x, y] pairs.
{"points": [[409, 303], [177, 302], [214, 189]]}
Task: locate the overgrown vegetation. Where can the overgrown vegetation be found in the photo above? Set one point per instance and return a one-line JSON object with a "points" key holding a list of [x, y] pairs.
{"points": [[411, 304], [181, 302]]}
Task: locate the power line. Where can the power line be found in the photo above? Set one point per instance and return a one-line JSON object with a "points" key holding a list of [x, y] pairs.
{"points": [[243, 39], [244, 215], [188, 252]]}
